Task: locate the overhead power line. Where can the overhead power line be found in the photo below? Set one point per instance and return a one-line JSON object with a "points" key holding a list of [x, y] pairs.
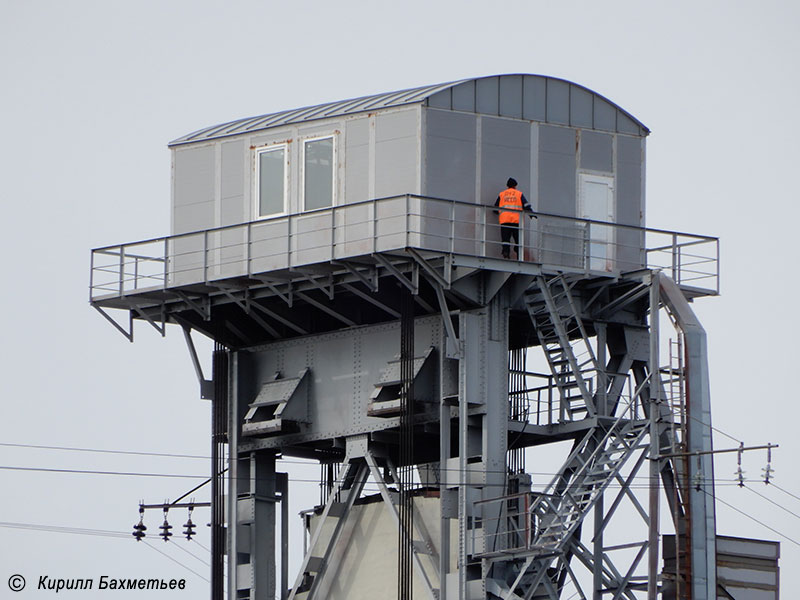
{"points": [[95, 472], [204, 457], [752, 518], [101, 533], [103, 451], [784, 491], [643, 479], [57, 529], [771, 501], [180, 547], [176, 561]]}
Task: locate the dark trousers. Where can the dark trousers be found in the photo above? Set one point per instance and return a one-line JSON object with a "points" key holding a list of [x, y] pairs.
{"points": [[508, 232]]}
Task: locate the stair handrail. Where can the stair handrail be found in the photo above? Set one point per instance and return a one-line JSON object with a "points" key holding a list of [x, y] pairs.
{"points": [[583, 467]]}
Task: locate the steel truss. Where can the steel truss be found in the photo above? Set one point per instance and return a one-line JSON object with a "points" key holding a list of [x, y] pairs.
{"points": [[536, 551], [605, 391]]}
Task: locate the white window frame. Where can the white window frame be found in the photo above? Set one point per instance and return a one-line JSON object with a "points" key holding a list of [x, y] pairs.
{"points": [[257, 216], [334, 158]]}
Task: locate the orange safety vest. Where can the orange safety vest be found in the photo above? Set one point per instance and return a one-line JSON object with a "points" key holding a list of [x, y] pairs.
{"points": [[512, 199]]}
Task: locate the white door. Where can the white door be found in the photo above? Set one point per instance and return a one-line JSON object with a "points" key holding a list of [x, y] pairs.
{"points": [[596, 202]]}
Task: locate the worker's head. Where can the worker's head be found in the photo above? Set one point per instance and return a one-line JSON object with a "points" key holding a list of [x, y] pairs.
{"points": [[512, 183]]}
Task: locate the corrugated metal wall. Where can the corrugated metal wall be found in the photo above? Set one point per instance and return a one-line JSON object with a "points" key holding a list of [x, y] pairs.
{"points": [[463, 146], [378, 155]]}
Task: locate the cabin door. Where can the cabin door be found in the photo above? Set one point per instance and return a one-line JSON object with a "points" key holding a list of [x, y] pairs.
{"points": [[596, 202]]}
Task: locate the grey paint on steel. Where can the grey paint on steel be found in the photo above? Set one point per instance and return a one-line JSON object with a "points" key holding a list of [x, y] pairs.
{"points": [[396, 153], [701, 469], [532, 97], [450, 140], [557, 167], [597, 151], [629, 201], [357, 150], [193, 197], [338, 396], [232, 171], [505, 151]]}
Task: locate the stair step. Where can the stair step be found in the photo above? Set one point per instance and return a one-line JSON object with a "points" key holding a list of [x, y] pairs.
{"points": [[573, 398]]}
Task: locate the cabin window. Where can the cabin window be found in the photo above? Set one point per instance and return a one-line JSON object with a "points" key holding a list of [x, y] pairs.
{"points": [[318, 173], [271, 170]]}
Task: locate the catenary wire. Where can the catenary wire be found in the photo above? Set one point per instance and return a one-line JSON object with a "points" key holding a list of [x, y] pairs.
{"points": [[643, 485], [192, 554], [771, 501], [58, 529], [784, 491], [201, 545], [103, 451], [176, 561], [202, 457], [93, 532], [284, 461], [743, 513], [281, 461]]}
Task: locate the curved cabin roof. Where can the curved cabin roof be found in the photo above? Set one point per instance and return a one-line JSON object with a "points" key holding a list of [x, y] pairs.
{"points": [[531, 97]]}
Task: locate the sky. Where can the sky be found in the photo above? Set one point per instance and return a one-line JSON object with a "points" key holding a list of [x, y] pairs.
{"points": [[93, 91]]}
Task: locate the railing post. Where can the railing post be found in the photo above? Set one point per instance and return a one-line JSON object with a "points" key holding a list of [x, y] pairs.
{"points": [[717, 265], [247, 250], [483, 230], [205, 256], [587, 246], [289, 241], [91, 276], [121, 270], [408, 220], [333, 233], [675, 257], [527, 518], [136, 273], [643, 253], [166, 262], [452, 227], [374, 226]]}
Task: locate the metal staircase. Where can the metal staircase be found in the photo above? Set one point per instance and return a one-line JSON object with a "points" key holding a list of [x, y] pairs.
{"points": [[556, 513], [566, 345], [591, 467]]}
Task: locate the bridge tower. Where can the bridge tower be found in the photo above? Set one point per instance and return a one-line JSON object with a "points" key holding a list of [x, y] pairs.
{"points": [[346, 260]]}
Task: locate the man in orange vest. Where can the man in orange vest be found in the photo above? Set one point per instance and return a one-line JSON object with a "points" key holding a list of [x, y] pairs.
{"points": [[511, 203]]}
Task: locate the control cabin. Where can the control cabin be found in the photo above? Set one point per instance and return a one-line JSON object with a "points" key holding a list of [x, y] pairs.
{"points": [[416, 168]]}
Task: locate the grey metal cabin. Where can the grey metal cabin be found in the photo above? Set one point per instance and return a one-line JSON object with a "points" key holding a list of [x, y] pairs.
{"points": [[308, 179]]}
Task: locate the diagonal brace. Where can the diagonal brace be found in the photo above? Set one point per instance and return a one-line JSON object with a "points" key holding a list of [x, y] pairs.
{"points": [[387, 499], [428, 268], [162, 329], [370, 282], [203, 311], [396, 272], [364, 296], [128, 334], [337, 487]]}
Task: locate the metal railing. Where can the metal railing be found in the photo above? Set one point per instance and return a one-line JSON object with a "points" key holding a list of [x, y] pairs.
{"points": [[542, 403], [511, 523], [391, 224]]}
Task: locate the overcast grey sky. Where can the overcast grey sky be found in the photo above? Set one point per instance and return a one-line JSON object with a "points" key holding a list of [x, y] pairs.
{"points": [[93, 91]]}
